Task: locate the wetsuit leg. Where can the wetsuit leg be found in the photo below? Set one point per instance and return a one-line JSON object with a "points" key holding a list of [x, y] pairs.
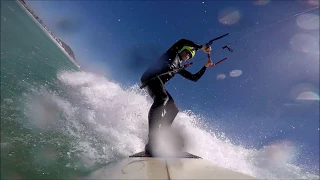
{"points": [[171, 110], [163, 110], [159, 95]]}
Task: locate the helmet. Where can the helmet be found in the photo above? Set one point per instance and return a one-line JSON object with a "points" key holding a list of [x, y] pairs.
{"points": [[189, 49]]}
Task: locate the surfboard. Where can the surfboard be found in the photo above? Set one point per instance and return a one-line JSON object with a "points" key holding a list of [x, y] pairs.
{"points": [[187, 166], [180, 155]]}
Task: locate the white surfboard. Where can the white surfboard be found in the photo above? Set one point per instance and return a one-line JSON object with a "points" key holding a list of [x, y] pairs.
{"points": [[185, 166]]}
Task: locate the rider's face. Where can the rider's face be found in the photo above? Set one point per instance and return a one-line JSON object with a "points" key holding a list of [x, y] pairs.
{"points": [[185, 55]]}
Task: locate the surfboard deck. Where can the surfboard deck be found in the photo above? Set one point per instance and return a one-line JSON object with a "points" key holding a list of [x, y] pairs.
{"points": [[181, 155], [142, 166]]}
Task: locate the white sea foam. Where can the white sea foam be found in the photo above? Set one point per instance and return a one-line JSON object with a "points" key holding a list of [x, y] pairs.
{"points": [[110, 122]]}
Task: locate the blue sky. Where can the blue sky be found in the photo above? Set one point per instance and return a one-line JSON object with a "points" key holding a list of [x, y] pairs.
{"points": [[276, 96]]}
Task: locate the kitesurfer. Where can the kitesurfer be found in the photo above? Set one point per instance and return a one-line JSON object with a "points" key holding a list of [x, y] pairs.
{"points": [[164, 110]]}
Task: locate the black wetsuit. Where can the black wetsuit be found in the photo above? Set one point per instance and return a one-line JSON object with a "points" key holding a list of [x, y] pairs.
{"points": [[163, 110]]}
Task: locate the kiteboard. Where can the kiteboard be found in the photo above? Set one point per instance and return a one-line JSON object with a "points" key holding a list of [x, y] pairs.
{"points": [[184, 166]]}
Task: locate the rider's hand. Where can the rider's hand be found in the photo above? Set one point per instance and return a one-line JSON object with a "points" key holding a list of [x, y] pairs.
{"points": [[206, 48], [209, 63]]}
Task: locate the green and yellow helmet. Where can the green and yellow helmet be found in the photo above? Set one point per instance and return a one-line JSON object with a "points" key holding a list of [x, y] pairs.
{"points": [[190, 49]]}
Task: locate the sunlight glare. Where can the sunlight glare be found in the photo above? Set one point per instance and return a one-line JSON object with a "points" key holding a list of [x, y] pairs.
{"points": [[221, 77], [314, 2], [229, 16], [304, 91], [235, 73], [307, 95], [305, 43], [308, 21], [261, 2]]}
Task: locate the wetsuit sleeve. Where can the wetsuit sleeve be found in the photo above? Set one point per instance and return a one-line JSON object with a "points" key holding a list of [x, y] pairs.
{"points": [[193, 77]]}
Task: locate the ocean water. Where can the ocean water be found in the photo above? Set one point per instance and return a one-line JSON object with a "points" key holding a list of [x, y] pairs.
{"points": [[60, 122]]}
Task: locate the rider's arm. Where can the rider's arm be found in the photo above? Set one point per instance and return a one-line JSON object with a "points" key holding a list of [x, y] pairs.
{"points": [[193, 77]]}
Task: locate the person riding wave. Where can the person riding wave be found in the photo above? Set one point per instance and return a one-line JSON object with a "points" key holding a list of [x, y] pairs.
{"points": [[164, 110]]}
